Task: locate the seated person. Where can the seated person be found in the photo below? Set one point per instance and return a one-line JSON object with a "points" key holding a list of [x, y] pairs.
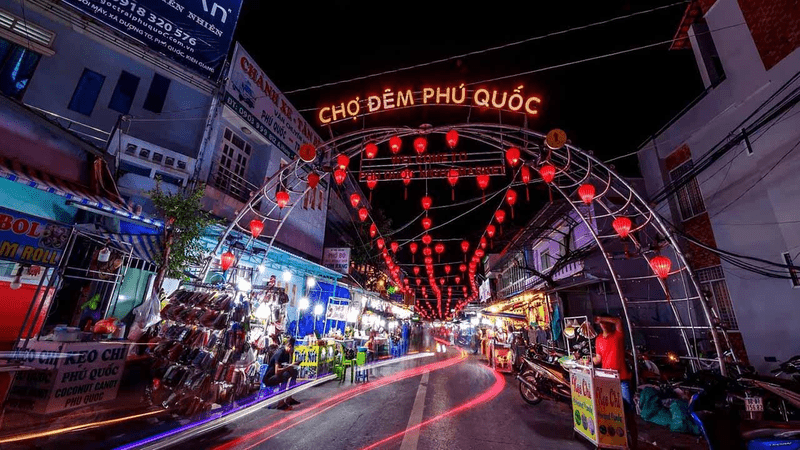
{"points": [[280, 371]]}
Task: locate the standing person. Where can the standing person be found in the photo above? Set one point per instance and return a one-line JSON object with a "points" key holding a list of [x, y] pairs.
{"points": [[610, 348], [280, 371], [371, 348]]}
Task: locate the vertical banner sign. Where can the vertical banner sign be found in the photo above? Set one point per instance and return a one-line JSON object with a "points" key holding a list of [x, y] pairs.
{"points": [[337, 312], [610, 414], [195, 33], [30, 240], [583, 404], [254, 97], [337, 259]]}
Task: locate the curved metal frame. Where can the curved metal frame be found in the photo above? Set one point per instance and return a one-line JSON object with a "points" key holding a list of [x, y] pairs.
{"points": [[574, 167]]}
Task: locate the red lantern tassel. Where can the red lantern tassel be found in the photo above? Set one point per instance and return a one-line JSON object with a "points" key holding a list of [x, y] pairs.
{"points": [[370, 197], [453, 194], [405, 193], [512, 212], [527, 194]]}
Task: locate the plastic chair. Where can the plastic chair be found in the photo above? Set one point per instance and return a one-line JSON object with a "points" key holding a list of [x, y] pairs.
{"points": [[362, 374]]}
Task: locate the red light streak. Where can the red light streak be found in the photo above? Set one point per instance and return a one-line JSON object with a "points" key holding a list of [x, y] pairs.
{"points": [[497, 387], [336, 399]]}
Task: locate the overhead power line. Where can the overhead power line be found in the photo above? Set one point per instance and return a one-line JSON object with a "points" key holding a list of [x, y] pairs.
{"points": [[487, 50]]}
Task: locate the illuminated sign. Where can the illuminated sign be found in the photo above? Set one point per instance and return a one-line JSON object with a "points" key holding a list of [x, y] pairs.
{"points": [[515, 101], [433, 165]]}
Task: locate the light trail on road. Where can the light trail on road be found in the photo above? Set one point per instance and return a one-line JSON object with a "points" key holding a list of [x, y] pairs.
{"points": [[327, 404]]}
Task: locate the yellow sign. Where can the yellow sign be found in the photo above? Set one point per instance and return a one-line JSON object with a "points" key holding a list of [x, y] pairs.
{"points": [[583, 404], [514, 101], [610, 413]]}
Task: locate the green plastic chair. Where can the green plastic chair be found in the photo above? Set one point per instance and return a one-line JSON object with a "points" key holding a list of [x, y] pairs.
{"points": [[361, 360]]}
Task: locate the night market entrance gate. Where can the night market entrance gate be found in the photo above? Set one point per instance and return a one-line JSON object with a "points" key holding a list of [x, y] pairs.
{"points": [[627, 231]]}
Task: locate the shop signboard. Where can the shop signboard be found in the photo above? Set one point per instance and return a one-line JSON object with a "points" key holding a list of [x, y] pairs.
{"points": [[485, 291], [610, 413], [196, 34], [254, 97], [337, 259], [30, 240], [337, 312], [583, 412], [68, 375]]}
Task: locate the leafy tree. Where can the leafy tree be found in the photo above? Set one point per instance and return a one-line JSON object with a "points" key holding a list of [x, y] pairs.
{"points": [[184, 224]]}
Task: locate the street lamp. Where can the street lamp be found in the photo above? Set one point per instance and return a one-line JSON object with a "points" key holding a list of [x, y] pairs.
{"points": [[317, 312], [301, 306], [244, 285], [311, 282], [287, 276]]}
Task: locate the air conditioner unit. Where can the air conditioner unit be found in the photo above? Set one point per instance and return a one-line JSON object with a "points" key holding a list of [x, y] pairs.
{"points": [[130, 149]]}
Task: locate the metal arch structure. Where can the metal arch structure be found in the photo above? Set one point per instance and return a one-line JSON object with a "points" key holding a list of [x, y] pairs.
{"points": [[679, 291]]}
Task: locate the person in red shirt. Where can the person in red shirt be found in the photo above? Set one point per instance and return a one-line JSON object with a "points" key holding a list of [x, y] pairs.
{"points": [[610, 354]]}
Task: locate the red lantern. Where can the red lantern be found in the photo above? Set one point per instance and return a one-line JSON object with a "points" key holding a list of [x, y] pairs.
{"points": [[420, 144], [490, 230], [586, 193], [479, 253], [441, 281], [394, 144], [427, 239], [256, 227], [458, 279], [413, 247], [373, 230], [483, 181], [372, 181], [464, 246], [339, 176], [500, 216], [426, 223], [313, 180], [622, 225], [512, 156], [428, 260], [525, 174], [381, 243], [363, 214], [426, 203], [370, 150], [226, 260], [447, 269], [452, 138], [342, 161], [482, 242], [419, 281], [511, 199], [661, 265], [395, 246], [462, 267], [405, 174], [548, 173], [355, 199], [452, 178], [427, 251], [439, 248], [416, 270], [282, 198]]}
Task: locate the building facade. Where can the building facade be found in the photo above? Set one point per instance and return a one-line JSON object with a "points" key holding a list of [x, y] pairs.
{"points": [[724, 171]]}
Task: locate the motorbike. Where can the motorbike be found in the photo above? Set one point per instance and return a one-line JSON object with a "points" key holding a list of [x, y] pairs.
{"points": [[545, 374], [775, 397], [723, 426]]}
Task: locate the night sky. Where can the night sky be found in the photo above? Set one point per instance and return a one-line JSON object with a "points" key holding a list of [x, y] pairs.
{"points": [[609, 106]]}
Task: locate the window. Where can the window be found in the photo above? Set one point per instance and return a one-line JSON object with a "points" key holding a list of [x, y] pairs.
{"points": [[690, 199], [170, 179], [229, 174], [793, 273], [122, 98], [544, 260], [708, 59], [17, 65], [712, 282], [126, 167], [86, 92], [156, 94]]}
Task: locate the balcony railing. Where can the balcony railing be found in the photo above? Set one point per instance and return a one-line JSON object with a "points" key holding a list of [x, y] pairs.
{"points": [[231, 183]]}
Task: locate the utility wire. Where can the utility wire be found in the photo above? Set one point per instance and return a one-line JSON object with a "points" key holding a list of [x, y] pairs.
{"points": [[487, 50]]}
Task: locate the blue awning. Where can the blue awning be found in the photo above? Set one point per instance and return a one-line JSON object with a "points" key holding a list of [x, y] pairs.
{"points": [[28, 176], [146, 247]]}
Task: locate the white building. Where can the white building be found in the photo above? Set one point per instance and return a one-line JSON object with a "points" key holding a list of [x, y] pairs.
{"points": [[725, 171]]}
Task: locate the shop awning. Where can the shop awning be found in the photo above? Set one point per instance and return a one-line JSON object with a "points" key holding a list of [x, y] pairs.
{"points": [[15, 171], [146, 247]]}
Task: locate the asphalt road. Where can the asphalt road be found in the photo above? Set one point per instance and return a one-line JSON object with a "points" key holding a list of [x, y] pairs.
{"points": [[441, 402]]}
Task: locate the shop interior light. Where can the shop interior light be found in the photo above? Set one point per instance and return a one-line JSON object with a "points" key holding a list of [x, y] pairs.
{"points": [[311, 282], [287, 276], [317, 309], [303, 303], [263, 311], [261, 268], [16, 283], [244, 285], [475, 321], [352, 315]]}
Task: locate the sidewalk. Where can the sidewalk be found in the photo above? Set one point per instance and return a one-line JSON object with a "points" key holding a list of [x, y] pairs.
{"points": [[656, 437]]}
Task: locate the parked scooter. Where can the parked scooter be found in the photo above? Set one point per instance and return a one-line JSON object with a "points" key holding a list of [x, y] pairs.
{"points": [[545, 374], [723, 426]]}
